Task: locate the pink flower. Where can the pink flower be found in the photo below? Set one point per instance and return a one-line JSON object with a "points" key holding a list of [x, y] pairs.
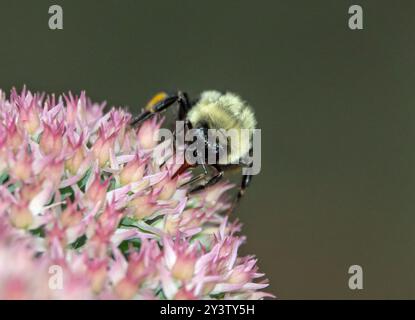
{"points": [[52, 170], [51, 141], [166, 188], [29, 114], [133, 171], [14, 134], [76, 154], [20, 216], [180, 259], [21, 164], [97, 191], [102, 147], [80, 192], [143, 206], [148, 134], [71, 215]]}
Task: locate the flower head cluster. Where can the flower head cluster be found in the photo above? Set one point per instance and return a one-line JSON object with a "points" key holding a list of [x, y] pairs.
{"points": [[86, 212]]}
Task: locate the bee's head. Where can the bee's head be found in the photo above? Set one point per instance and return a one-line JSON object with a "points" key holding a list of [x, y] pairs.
{"points": [[212, 146], [221, 120]]}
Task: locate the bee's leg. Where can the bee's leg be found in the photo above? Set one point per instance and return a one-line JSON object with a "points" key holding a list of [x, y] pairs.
{"points": [[158, 107], [194, 179], [184, 105], [213, 180], [246, 180]]}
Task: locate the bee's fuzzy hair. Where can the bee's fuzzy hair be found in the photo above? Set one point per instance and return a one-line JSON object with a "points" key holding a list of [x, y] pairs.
{"points": [[224, 111]]}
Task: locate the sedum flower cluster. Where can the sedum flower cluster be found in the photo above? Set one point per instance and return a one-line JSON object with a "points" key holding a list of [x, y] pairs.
{"points": [[87, 213]]}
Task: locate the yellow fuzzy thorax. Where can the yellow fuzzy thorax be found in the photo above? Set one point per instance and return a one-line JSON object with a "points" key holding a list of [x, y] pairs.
{"points": [[225, 111]]}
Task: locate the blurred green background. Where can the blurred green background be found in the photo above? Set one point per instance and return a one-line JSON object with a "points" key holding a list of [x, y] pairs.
{"points": [[336, 109]]}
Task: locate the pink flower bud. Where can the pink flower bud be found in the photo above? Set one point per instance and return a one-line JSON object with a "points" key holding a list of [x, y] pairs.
{"points": [[136, 267], [20, 216], [71, 108], [29, 191], [143, 206], [110, 217], [184, 266], [171, 224], [133, 171], [30, 118], [14, 136], [97, 270], [71, 216], [101, 148], [184, 294], [239, 276], [21, 167], [73, 163], [208, 287], [56, 233], [147, 135], [97, 191], [166, 188], [51, 140], [126, 288], [99, 242], [52, 171]]}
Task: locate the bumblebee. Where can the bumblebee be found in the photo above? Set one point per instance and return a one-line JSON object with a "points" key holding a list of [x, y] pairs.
{"points": [[212, 110]]}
